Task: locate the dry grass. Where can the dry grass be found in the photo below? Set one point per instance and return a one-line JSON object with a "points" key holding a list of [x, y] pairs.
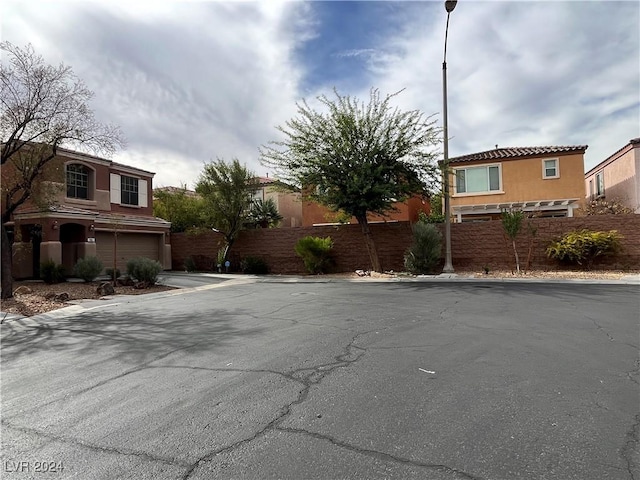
{"points": [[36, 301]]}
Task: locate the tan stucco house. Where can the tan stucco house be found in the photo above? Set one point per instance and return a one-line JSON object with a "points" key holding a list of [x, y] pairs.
{"points": [[99, 199], [545, 180], [288, 203], [617, 177]]}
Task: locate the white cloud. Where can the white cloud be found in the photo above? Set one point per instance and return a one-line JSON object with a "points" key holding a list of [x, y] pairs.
{"points": [[192, 81]]}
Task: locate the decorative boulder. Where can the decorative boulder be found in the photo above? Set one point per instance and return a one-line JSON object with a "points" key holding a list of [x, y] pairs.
{"points": [[105, 288], [61, 297], [125, 282], [22, 290], [141, 285]]}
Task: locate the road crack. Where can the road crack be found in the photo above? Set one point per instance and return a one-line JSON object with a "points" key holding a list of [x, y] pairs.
{"points": [[311, 376], [94, 447], [630, 448], [381, 455]]}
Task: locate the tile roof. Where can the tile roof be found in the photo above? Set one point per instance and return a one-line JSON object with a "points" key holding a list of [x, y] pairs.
{"points": [[514, 152]]}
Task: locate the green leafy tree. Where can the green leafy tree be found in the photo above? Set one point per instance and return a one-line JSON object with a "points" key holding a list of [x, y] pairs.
{"points": [[512, 224], [264, 214], [180, 207], [355, 157], [43, 107], [227, 190]]}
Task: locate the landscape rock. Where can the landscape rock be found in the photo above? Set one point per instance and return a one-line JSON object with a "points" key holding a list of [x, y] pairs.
{"points": [[141, 285], [105, 288], [22, 290], [125, 282], [57, 297]]}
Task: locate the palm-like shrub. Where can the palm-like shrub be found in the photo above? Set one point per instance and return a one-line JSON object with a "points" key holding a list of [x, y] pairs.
{"points": [[315, 253], [425, 252]]}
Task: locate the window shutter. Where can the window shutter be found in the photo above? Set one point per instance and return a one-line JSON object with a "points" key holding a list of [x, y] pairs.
{"points": [[142, 193], [114, 181]]}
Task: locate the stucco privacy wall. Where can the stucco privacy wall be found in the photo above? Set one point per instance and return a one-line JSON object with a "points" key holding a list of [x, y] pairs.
{"points": [[474, 245]]}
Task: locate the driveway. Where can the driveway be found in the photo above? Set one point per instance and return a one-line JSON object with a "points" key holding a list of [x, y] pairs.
{"points": [[329, 379]]}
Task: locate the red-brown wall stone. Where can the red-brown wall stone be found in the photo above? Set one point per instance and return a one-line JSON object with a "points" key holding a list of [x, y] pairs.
{"points": [[473, 245]]}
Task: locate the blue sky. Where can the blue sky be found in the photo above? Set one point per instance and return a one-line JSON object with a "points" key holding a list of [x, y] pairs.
{"points": [[190, 81]]}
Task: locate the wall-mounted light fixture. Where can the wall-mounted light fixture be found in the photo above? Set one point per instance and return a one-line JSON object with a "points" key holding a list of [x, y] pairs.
{"points": [[54, 225], [92, 227]]}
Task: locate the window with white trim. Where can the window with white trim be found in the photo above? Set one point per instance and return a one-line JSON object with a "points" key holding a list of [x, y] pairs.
{"points": [[128, 190], [483, 179], [550, 168], [600, 184]]}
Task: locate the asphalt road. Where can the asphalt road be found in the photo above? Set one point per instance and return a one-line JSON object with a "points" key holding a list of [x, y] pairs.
{"points": [[251, 379]]}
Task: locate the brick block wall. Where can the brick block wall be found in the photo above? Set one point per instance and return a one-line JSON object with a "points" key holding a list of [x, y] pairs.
{"points": [[473, 245]]}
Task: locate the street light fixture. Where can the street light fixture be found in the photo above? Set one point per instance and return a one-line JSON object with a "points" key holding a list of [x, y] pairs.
{"points": [[449, 5]]}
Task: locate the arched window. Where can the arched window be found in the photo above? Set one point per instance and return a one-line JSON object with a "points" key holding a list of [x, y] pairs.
{"points": [[77, 181]]}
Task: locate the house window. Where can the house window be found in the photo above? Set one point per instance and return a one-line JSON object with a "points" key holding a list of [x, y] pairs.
{"points": [[478, 179], [591, 189], [600, 184], [129, 190], [77, 181], [550, 168]]}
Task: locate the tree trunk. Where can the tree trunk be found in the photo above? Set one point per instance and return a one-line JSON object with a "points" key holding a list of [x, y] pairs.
{"points": [[515, 253], [7, 257], [369, 242]]}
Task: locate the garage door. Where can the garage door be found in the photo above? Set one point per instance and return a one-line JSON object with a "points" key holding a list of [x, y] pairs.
{"points": [[130, 245]]}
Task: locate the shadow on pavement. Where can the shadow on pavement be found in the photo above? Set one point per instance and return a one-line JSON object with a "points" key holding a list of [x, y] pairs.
{"points": [[133, 338]]}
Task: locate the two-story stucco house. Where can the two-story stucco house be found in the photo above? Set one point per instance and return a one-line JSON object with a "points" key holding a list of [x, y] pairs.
{"points": [[617, 177], [545, 180], [104, 209]]}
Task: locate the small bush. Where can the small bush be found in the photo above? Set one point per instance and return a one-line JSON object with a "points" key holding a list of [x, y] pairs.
{"points": [[87, 268], [52, 272], [189, 264], [109, 273], [424, 254], [254, 265], [315, 253], [584, 246], [144, 270]]}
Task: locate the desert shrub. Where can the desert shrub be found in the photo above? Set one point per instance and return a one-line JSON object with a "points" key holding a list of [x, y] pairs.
{"points": [[87, 268], [189, 264], [583, 246], [315, 253], [52, 272], [144, 269], [254, 265], [424, 253], [109, 273]]}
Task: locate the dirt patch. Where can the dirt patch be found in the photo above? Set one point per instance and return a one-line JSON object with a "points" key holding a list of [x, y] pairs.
{"points": [[32, 298]]}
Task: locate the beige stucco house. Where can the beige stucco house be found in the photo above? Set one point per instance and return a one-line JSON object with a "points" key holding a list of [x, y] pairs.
{"points": [[617, 177], [545, 180], [288, 203]]}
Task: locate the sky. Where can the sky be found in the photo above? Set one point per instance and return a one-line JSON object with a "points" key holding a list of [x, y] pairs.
{"points": [[192, 81]]}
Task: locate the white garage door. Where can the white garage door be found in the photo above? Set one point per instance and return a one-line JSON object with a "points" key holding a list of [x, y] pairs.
{"points": [[129, 245]]}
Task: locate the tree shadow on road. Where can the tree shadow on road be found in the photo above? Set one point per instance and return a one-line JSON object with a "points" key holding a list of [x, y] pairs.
{"points": [[131, 338]]}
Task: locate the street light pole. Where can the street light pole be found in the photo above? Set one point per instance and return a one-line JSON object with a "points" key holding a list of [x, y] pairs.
{"points": [[449, 5]]}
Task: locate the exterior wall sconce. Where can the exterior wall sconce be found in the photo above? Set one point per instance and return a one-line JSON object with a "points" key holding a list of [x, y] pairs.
{"points": [[54, 225], [92, 227]]}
